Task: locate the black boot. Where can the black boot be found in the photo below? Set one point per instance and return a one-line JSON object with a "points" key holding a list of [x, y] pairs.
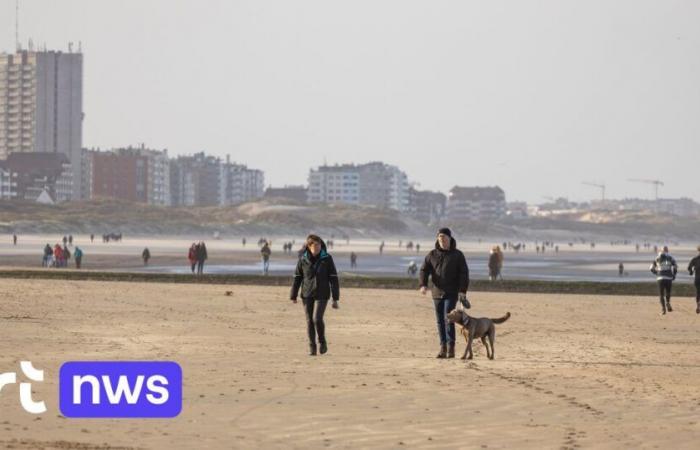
{"points": [[451, 350], [668, 306], [443, 351], [663, 308], [324, 348], [697, 310], [312, 350]]}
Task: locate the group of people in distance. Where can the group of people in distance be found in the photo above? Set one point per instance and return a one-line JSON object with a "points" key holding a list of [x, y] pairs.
{"points": [[58, 256], [196, 255]]}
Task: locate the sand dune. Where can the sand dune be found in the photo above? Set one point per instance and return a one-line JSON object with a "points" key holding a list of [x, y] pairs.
{"points": [[570, 371]]}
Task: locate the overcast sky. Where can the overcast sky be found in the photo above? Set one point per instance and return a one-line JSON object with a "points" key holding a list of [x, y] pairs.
{"points": [[534, 96]]}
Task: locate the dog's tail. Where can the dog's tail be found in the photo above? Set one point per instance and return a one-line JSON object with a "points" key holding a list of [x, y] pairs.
{"points": [[502, 319]]}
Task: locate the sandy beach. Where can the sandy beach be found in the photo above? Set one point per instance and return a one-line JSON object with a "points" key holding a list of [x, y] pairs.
{"points": [[570, 371]]}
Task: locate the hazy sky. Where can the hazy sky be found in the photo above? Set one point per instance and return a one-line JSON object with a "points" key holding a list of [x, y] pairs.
{"points": [[535, 96]]}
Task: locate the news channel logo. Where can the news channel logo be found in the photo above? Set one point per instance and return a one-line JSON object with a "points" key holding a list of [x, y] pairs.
{"points": [[106, 389]]}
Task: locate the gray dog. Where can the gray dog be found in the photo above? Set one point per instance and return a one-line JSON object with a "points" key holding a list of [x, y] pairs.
{"points": [[473, 328]]}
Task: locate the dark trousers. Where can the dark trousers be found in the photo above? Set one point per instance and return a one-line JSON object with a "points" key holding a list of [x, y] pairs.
{"points": [[200, 266], [697, 289], [314, 320], [664, 291], [446, 330]]}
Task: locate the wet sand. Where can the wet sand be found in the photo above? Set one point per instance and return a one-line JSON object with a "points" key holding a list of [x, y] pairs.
{"points": [[228, 255], [570, 371]]}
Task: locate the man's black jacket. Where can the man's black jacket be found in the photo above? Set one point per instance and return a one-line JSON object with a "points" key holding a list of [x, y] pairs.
{"points": [[448, 270]]}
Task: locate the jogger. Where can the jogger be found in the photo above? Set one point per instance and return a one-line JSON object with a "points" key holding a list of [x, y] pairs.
{"points": [[665, 269], [665, 294]]}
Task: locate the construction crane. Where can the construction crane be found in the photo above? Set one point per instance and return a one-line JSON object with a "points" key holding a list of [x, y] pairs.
{"points": [[656, 184], [599, 186]]}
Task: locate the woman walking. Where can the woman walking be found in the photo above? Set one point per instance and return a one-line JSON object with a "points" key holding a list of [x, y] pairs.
{"points": [[317, 279], [192, 256]]}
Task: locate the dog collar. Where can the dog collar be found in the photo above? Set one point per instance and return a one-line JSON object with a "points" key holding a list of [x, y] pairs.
{"points": [[465, 322]]}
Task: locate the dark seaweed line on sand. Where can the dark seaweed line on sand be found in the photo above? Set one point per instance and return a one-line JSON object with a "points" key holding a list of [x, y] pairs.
{"points": [[524, 286]]}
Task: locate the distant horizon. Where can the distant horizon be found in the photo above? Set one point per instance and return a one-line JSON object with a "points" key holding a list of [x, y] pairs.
{"points": [[536, 100]]}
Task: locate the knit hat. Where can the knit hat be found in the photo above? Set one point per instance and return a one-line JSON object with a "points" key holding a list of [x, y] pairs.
{"points": [[446, 231]]}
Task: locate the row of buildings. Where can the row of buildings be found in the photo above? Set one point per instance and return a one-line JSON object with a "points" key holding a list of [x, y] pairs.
{"points": [[42, 158], [150, 176], [385, 186], [139, 174], [134, 174]]}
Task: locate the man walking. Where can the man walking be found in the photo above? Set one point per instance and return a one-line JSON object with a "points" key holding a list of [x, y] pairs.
{"points": [[665, 269], [694, 270], [202, 256], [265, 252], [448, 269]]}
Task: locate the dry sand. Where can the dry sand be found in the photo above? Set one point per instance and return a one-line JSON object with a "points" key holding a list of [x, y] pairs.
{"points": [[570, 371]]}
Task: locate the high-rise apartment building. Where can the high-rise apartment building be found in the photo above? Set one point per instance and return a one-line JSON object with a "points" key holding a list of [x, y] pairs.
{"points": [[41, 106]]}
